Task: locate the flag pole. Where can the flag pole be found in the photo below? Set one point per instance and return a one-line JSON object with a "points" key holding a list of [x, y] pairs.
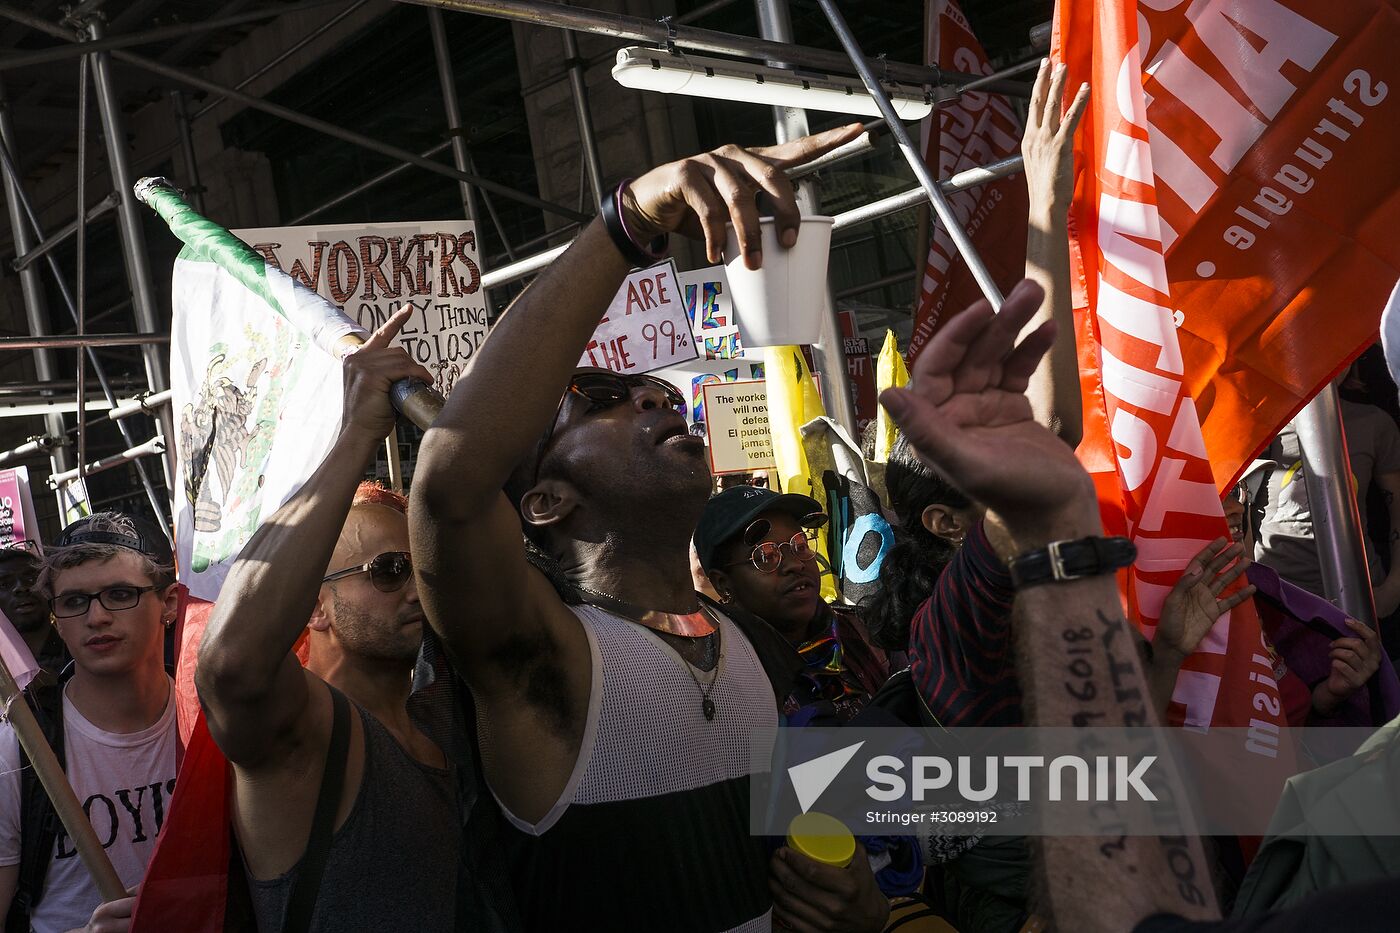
{"points": [[60, 792], [415, 400]]}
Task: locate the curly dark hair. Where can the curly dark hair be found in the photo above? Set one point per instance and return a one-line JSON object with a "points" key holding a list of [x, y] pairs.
{"points": [[916, 560]]}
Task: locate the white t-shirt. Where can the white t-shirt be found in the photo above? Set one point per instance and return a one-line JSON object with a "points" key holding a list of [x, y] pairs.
{"points": [[125, 782]]}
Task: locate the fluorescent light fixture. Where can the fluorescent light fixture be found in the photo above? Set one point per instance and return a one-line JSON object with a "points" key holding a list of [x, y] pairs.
{"points": [[645, 69]]}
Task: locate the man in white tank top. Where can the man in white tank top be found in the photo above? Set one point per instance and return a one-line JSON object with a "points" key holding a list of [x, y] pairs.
{"points": [[608, 730]]}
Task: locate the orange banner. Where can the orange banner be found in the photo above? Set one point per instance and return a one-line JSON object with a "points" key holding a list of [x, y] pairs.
{"points": [[972, 131], [1142, 436]]}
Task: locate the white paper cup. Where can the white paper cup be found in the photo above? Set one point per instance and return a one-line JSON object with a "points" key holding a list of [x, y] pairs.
{"points": [[782, 302]]}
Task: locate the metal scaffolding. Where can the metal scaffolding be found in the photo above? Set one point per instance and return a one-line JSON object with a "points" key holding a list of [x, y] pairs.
{"points": [[87, 38]]}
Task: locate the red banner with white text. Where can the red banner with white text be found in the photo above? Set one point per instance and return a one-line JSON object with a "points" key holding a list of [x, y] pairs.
{"points": [[974, 130], [1168, 301]]}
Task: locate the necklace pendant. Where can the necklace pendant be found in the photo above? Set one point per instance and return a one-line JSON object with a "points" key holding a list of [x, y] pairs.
{"points": [[707, 706]]}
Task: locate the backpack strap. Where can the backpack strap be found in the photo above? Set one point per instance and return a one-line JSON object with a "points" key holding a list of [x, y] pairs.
{"points": [[39, 824], [302, 901]]}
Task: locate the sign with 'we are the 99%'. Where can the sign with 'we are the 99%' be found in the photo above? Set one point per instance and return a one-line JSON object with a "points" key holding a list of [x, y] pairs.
{"points": [[646, 326]]}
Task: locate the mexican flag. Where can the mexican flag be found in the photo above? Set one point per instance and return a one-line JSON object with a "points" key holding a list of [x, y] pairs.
{"points": [[256, 405], [255, 369]]}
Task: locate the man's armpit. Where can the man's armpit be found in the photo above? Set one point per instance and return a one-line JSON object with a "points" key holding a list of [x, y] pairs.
{"points": [[533, 666]]}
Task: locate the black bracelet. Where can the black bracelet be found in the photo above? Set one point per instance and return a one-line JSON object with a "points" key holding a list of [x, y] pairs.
{"points": [[633, 252]]}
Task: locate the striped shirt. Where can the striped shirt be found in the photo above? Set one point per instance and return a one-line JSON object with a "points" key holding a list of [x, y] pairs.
{"points": [[960, 650]]}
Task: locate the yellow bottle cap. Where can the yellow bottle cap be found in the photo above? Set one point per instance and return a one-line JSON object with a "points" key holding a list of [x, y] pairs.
{"points": [[822, 839]]}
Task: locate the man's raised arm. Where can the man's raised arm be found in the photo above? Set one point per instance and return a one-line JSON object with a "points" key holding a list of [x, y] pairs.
{"points": [[252, 687], [966, 413], [475, 583]]}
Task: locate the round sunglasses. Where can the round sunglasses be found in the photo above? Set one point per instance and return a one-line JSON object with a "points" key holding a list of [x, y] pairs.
{"points": [[388, 571], [768, 556]]}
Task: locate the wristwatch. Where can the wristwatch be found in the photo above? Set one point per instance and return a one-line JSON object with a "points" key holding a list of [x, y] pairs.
{"points": [[1071, 560]]}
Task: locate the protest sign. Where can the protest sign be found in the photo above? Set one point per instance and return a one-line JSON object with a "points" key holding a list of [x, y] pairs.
{"points": [[860, 370], [737, 425], [711, 313], [691, 379], [645, 327], [17, 522], [369, 270]]}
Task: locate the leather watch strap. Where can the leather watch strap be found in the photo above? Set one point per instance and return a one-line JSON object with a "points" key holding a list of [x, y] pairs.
{"points": [[1071, 560]]}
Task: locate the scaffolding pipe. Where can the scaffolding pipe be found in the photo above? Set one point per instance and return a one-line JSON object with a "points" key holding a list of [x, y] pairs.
{"points": [[916, 196], [141, 406], [78, 341], [155, 445], [11, 171], [291, 50], [460, 156], [26, 259], [457, 138], [990, 79], [936, 197], [44, 444], [133, 235], [829, 352], [587, 140], [662, 33], [505, 275], [344, 135], [857, 147], [366, 185], [1336, 520], [300, 119], [31, 289], [21, 408], [182, 126], [126, 40]]}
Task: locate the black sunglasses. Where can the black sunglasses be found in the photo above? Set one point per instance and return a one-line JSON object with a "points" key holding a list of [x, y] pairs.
{"points": [[388, 571], [604, 390]]}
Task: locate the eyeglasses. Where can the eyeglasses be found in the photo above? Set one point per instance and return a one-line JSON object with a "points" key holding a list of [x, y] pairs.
{"points": [[604, 390], [768, 556], [113, 599], [388, 571]]}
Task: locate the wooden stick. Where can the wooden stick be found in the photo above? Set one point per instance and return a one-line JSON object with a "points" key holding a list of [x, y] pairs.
{"points": [[391, 452], [55, 783]]}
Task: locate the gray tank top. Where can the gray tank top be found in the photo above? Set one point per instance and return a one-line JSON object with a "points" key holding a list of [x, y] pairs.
{"points": [[393, 864]]}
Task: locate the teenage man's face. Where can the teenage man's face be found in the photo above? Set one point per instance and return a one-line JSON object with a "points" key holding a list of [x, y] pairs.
{"points": [[637, 447], [19, 570], [366, 621], [107, 642], [787, 598]]}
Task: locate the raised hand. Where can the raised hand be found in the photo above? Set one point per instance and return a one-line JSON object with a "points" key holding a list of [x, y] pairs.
{"points": [[698, 196], [1047, 148], [369, 372], [1195, 603], [966, 414]]}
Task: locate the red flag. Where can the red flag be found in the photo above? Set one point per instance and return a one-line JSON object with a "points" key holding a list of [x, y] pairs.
{"points": [[972, 131], [1142, 438], [186, 882]]}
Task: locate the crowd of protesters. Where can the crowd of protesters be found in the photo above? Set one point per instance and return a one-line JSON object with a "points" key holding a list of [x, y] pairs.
{"points": [[523, 698]]}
